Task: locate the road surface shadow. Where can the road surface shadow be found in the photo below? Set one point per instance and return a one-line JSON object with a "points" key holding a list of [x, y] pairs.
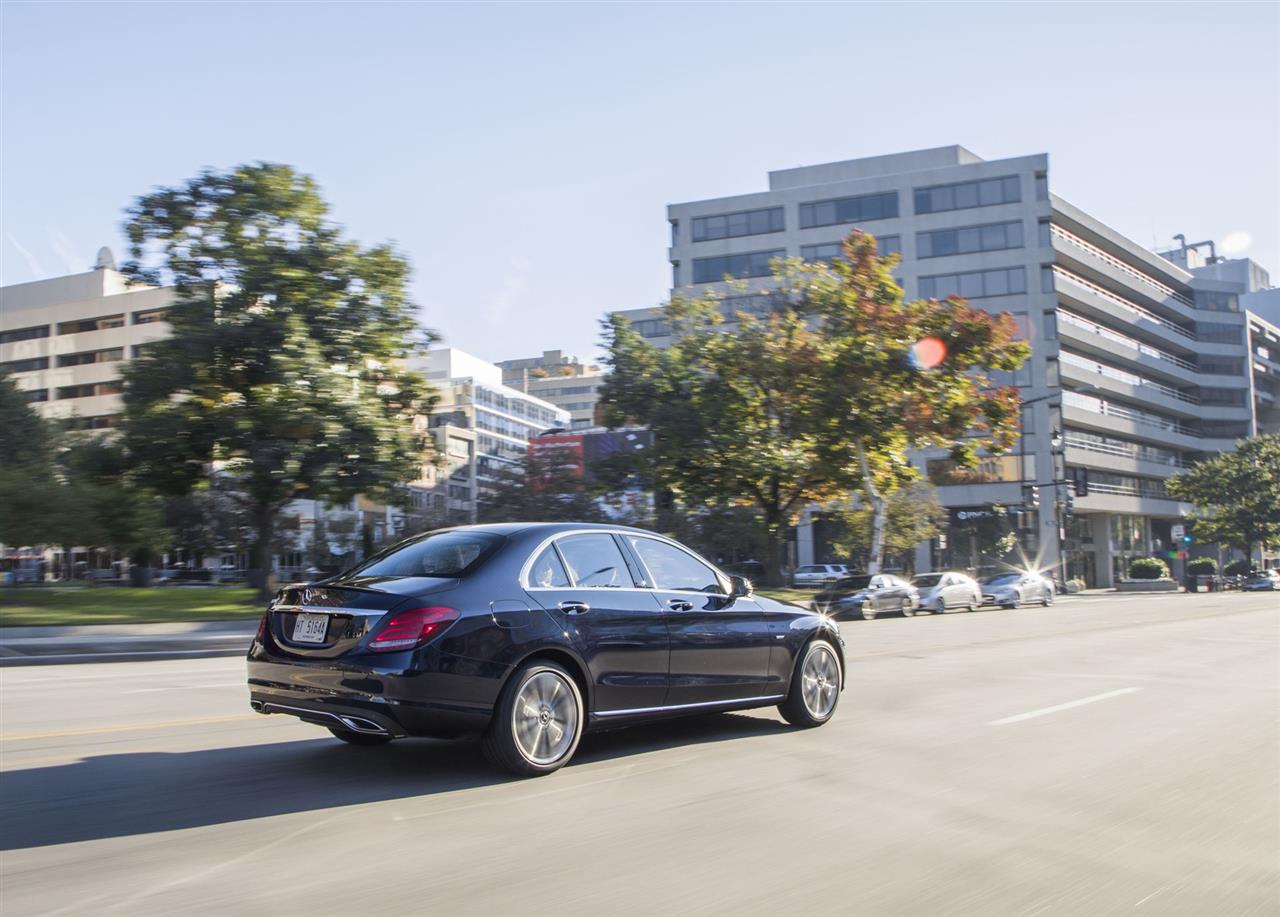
{"points": [[140, 793]]}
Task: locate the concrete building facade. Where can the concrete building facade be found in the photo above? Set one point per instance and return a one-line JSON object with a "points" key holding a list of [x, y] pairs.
{"points": [[1136, 371], [65, 340], [480, 426], [558, 379]]}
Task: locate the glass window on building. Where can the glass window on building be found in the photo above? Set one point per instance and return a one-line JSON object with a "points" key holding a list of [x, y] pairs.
{"points": [[975, 284], [24, 334], [860, 209], [1216, 301], [747, 264], [964, 195], [967, 240], [1042, 186], [735, 225]]}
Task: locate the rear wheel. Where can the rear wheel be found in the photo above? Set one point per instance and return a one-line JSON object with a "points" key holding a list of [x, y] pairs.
{"points": [[908, 608], [359, 738], [975, 604], [1047, 599], [868, 613], [815, 687], [537, 723]]}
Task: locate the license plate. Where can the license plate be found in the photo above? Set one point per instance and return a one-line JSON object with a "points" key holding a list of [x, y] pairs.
{"points": [[310, 628]]}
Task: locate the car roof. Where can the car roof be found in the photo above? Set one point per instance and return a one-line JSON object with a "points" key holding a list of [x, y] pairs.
{"points": [[548, 528]]}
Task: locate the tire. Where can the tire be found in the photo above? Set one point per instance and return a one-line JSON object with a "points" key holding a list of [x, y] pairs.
{"points": [[908, 608], [359, 738], [819, 664], [526, 743], [975, 604], [1047, 599], [868, 614], [940, 608]]}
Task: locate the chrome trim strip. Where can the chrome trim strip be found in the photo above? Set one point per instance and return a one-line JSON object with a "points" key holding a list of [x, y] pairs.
{"points": [[343, 720], [710, 703], [326, 609]]}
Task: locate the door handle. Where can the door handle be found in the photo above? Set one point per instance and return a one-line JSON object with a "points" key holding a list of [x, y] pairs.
{"points": [[574, 607], [679, 605]]}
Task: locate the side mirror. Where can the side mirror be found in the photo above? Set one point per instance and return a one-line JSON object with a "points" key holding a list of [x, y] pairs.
{"points": [[740, 587]]}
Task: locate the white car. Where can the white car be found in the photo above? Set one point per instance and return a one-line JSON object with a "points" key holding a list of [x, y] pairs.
{"points": [[940, 592], [1009, 590], [817, 574]]}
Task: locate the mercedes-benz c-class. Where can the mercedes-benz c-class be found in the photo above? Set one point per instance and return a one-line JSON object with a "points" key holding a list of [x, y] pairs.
{"points": [[531, 635]]}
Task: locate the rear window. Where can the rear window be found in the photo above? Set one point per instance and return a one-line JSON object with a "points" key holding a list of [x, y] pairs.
{"points": [[927, 579], [447, 554], [854, 582], [1003, 579]]}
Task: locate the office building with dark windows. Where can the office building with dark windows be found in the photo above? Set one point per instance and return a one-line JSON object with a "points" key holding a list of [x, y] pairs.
{"points": [[1140, 365]]}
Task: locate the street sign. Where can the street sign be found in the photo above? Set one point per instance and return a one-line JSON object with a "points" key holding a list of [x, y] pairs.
{"points": [[1176, 531]]}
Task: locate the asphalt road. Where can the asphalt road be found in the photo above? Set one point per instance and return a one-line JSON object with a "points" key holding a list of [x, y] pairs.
{"points": [[1105, 756]]}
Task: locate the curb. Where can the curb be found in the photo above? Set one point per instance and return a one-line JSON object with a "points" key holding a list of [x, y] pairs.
{"points": [[124, 642]]}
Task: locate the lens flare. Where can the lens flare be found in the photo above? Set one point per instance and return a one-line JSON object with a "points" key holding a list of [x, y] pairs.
{"points": [[928, 353]]}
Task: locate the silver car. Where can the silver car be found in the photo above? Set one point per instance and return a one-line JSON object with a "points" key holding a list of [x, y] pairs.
{"points": [[1009, 590], [941, 592], [817, 574]]}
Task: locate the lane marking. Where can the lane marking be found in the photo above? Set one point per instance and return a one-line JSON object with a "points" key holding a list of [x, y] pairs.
{"points": [[99, 730], [1067, 706]]}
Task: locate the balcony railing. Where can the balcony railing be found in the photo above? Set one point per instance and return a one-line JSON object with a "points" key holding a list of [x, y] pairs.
{"points": [[1126, 377], [1127, 490], [1142, 418], [1129, 450], [1131, 307], [1163, 289], [1124, 340]]}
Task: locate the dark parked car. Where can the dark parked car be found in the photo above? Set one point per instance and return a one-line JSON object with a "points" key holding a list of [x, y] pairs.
{"points": [[531, 634], [868, 595]]}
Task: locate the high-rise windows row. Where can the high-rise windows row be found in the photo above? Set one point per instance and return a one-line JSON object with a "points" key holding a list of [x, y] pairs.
{"points": [[975, 284], [858, 209], [747, 264], [830, 251], [963, 195], [24, 334], [965, 240], [742, 223]]}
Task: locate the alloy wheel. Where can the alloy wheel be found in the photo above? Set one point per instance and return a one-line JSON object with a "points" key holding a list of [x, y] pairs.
{"points": [[544, 719], [820, 680]]}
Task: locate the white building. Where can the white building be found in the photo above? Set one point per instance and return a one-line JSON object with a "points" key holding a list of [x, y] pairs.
{"points": [[561, 380], [480, 425], [1138, 370]]}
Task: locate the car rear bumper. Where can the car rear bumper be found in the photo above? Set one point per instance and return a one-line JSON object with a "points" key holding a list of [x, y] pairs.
{"points": [[377, 701]]}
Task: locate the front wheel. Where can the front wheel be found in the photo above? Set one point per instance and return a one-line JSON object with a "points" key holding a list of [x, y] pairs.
{"points": [[815, 687], [360, 738], [868, 613], [1047, 599], [538, 721]]}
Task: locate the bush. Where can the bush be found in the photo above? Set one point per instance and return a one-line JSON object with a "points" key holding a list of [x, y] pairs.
{"points": [[1075, 585], [1239, 567], [1202, 566], [1148, 568]]}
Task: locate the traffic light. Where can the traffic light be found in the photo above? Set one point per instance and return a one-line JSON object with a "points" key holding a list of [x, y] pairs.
{"points": [[1080, 479], [1069, 504], [1031, 497]]}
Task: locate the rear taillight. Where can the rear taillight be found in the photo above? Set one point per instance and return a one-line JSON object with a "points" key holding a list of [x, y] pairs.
{"points": [[409, 629], [262, 627]]}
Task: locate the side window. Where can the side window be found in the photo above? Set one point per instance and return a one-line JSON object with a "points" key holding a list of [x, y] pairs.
{"points": [[547, 571], [673, 568], [594, 561]]}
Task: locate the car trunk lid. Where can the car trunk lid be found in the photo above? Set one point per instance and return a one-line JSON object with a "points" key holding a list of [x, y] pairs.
{"points": [[323, 621]]}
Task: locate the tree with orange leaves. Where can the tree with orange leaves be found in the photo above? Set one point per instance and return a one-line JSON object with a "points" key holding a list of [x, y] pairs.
{"points": [[823, 395]]}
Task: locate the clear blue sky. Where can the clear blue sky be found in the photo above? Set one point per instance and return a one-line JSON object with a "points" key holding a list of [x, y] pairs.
{"points": [[522, 155]]}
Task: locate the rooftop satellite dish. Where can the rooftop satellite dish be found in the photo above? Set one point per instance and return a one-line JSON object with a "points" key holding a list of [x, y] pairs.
{"points": [[105, 261]]}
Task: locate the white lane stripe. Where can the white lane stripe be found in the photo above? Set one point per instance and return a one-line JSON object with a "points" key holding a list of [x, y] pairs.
{"points": [[1067, 706]]}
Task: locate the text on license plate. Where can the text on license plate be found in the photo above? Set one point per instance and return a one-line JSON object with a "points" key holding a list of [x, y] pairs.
{"points": [[310, 628]]}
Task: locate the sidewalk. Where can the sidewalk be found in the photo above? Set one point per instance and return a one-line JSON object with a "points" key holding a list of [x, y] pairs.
{"points": [[123, 642]]}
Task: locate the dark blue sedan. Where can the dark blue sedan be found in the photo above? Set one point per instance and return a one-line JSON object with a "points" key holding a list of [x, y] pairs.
{"points": [[531, 634]]}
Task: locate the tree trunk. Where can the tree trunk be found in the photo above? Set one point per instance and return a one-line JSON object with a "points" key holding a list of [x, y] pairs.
{"points": [[773, 552], [876, 555], [260, 576]]}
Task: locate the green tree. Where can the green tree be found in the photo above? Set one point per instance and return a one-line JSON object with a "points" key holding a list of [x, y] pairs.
{"points": [[286, 364], [1236, 495], [823, 395], [912, 514]]}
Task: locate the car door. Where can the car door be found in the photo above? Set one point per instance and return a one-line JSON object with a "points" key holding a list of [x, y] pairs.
{"points": [[619, 629], [953, 592], [719, 646]]}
